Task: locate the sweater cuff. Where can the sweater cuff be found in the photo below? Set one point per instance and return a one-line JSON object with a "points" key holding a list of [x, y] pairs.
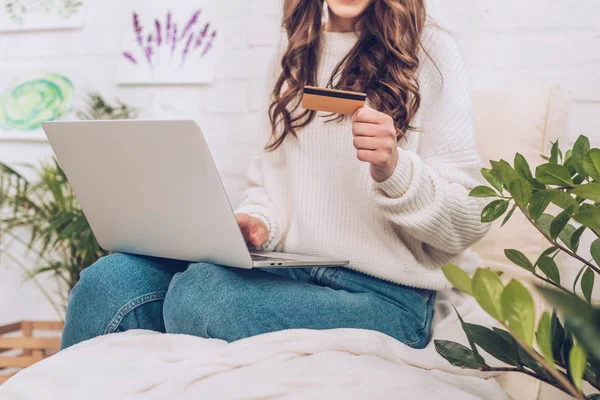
{"points": [[256, 213], [398, 184]]}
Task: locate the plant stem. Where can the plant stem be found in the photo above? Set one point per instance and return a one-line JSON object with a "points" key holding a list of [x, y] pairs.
{"points": [[567, 387], [577, 279], [558, 245], [552, 283], [523, 371]]}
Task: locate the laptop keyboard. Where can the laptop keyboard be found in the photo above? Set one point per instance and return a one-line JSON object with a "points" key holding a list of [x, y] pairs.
{"points": [[273, 259]]}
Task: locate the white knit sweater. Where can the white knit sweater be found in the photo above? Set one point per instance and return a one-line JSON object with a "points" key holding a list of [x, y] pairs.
{"points": [[317, 198]]}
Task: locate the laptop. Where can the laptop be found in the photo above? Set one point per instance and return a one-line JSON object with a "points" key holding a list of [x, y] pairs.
{"points": [[151, 188]]}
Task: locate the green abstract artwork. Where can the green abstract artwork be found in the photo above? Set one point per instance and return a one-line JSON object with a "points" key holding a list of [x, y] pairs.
{"points": [[34, 99], [23, 15], [17, 10]]}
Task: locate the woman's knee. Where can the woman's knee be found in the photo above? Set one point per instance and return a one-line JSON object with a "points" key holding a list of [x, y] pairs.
{"points": [[103, 289], [206, 300]]}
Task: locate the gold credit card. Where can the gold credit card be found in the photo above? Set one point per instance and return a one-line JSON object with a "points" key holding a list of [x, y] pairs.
{"points": [[332, 100]]}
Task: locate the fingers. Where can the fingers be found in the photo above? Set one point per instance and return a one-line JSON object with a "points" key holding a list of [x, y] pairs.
{"points": [[375, 158], [369, 115], [255, 231], [364, 129], [259, 237], [367, 143]]}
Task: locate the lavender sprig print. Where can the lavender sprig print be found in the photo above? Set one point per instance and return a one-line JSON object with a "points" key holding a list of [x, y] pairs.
{"points": [[130, 57], [174, 40], [149, 50], [201, 36], [187, 49], [169, 25], [190, 24], [158, 32], [162, 41], [137, 27], [210, 43]]}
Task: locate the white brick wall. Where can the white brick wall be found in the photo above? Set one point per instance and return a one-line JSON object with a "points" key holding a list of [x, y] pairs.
{"points": [[504, 43]]}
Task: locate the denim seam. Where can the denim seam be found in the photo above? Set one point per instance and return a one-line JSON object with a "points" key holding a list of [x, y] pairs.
{"points": [[426, 322], [132, 305]]}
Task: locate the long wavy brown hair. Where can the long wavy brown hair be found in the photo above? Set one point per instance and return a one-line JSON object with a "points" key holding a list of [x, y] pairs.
{"points": [[382, 64]]}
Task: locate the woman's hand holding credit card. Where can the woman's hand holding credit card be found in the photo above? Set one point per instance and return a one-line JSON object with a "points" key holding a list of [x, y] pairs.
{"points": [[374, 132]]}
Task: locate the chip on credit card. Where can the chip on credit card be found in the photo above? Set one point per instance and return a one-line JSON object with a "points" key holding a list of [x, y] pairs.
{"points": [[332, 100]]}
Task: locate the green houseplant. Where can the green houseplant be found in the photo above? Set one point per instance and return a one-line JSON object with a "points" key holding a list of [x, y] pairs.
{"points": [[58, 233], [562, 346]]}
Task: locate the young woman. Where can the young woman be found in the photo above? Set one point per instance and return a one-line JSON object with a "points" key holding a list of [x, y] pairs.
{"points": [[386, 188]]}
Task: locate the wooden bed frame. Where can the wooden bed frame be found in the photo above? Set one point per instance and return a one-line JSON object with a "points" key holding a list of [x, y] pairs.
{"points": [[33, 349]]}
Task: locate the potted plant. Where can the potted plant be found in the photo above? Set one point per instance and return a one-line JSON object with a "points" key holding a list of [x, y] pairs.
{"points": [[59, 234], [562, 346]]}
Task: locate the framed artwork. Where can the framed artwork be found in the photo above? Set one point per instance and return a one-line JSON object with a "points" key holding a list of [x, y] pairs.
{"points": [[33, 15], [32, 99], [171, 43]]}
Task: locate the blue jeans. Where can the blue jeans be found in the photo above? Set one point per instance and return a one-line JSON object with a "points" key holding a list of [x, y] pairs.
{"points": [[122, 292]]}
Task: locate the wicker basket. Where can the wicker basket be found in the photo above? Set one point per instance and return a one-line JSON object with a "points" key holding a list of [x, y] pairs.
{"points": [[20, 347]]}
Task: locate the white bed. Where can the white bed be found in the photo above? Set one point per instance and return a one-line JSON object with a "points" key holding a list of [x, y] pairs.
{"points": [[335, 364]]}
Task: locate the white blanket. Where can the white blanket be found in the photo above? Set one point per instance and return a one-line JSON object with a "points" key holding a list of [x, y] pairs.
{"points": [[303, 364]]}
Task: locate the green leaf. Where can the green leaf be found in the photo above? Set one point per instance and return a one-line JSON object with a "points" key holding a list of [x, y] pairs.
{"points": [[577, 363], [544, 222], [561, 220], [457, 354], [494, 210], [487, 290], [519, 312], [580, 149], [568, 156], [549, 251], [591, 163], [483, 191], [506, 172], [558, 335], [575, 238], [537, 185], [562, 199], [582, 319], [590, 191], [510, 214], [492, 180], [469, 338], [521, 191], [566, 236], [538, 204], [524, 358], [553, 174], [492, 343], [519, 258], [543, 337], [554, 153], [595, 251], [587, 284], [458, 278], [589, 217], [522, 167], [550, 269]]}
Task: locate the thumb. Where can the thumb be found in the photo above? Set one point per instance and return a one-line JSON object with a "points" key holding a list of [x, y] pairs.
{"points": [[259, 233]]}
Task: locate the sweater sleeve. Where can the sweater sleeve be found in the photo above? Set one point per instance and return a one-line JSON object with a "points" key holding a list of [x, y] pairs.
{"points": [[265, 171], [428, 193], [256, 202]]}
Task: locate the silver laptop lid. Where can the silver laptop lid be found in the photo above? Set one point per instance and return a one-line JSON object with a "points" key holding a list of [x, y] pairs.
{"points": [[150, 188]]}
